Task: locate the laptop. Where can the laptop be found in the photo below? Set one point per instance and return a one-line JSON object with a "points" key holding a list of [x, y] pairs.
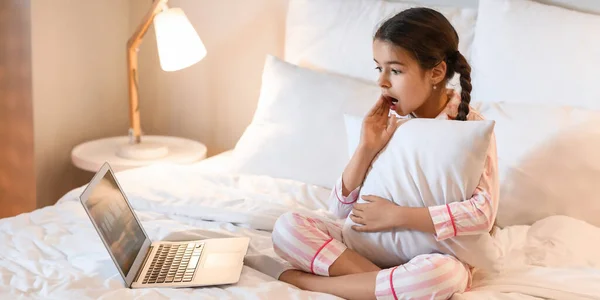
{"points": [[144, 263]]}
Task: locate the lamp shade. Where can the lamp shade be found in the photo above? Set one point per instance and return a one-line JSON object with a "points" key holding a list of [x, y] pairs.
{"points": [[179, 46]]}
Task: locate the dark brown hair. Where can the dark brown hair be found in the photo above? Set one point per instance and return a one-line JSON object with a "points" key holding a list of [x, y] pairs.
{"points": [[431, 39]]}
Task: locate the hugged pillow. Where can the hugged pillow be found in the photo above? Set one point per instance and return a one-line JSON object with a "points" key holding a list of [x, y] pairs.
{"points": [[427, 162], [528, 52], [548, 162], [297, 131]]}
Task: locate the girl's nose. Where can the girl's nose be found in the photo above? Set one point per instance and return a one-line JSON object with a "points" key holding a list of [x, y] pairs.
{"points": [[383, 81]]}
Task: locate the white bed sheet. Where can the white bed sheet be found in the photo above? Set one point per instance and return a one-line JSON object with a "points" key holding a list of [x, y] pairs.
{"points": [[220, 163], [54, 252]]}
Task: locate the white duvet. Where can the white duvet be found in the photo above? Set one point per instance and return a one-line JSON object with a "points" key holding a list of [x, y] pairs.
{"points": [[55, 253]]}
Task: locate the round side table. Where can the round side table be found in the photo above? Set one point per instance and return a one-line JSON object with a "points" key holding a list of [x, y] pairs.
{"points": [[92, 155]]}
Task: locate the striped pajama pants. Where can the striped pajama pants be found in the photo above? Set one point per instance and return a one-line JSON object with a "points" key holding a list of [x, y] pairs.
{"points": [[312, 245]]}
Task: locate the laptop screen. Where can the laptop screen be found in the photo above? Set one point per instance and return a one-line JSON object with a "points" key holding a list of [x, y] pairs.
{"points": [[115, 221]]}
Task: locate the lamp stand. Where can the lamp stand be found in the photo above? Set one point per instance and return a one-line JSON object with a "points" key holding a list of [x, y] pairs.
{"points": [[136, 149]]}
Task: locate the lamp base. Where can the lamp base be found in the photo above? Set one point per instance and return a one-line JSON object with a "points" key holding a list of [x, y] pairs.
{"points": [[143, 151]]}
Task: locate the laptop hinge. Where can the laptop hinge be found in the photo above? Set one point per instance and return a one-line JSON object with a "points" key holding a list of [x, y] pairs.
{"points": [[143, 264]]}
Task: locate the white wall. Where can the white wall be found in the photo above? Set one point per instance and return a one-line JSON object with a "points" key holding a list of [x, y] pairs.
{"points": [[214, 100], [79, 84]]}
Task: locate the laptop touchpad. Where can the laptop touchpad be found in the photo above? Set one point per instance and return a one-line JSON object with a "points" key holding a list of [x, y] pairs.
{"points": [[222, 260]]}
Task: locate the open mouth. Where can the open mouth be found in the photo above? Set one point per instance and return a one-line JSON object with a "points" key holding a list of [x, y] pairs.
{"points": [[391, 100]]}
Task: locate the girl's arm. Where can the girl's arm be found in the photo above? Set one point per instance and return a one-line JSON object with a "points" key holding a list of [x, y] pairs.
{"points": [[472, 216], [377, 129], [356, 170], [345, 192]]}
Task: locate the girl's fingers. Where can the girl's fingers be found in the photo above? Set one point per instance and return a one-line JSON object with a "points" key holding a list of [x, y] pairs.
{"points": [[393, 123], [375, 109], [357, 220], [383, 108]]}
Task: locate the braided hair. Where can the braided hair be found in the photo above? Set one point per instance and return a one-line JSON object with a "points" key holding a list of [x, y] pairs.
{"points": [[431, 39]]}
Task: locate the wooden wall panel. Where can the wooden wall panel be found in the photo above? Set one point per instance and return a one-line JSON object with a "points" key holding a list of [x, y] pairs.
{"points": [[17, 171]]}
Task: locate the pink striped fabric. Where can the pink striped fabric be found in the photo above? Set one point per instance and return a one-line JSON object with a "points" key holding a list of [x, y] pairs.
{"points": [[309, 244], [475, 215], [312, 245], [341, 205], [429, 276]]}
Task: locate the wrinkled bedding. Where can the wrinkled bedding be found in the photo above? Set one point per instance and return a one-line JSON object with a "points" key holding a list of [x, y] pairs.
{"points": [[54, 252]]}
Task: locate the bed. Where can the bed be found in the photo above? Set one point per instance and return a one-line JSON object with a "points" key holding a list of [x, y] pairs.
{"points": [[548, 227], [54, 252]]}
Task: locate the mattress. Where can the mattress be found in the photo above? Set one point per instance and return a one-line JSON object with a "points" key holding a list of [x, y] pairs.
{"points": [[55, 253]]}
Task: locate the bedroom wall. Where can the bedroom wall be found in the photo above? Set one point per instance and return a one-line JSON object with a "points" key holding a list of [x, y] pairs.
{"points": [[17, 172], [79, 85], [214, 100]]}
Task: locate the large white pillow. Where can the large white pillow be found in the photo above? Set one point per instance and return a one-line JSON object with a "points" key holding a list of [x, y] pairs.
{"points": [[297, 131], [528, 52], [427, 162], [337, 35], [548, 162]]}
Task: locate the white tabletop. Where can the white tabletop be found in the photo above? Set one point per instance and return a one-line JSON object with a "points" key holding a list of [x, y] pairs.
{"points": [[91, 155]]}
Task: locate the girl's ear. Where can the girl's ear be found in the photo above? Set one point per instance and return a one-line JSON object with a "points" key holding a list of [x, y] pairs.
{"points": [[438, 73]]}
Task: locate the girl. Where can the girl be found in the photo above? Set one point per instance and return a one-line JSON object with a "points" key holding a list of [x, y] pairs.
{"points": [[416, 53]]}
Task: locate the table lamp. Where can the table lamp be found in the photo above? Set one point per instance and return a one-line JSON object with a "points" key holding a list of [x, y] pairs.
{"points": [[179, 47]]}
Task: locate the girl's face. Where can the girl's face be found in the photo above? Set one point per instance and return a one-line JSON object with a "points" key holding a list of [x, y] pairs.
{"points": [[404, 84]]}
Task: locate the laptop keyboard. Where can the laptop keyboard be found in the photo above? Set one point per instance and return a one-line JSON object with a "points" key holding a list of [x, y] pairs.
{"points": [[174, 263]]}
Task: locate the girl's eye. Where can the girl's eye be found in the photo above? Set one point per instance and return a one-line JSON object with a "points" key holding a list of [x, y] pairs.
{"points": [[396, 72], [378, 69]]}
